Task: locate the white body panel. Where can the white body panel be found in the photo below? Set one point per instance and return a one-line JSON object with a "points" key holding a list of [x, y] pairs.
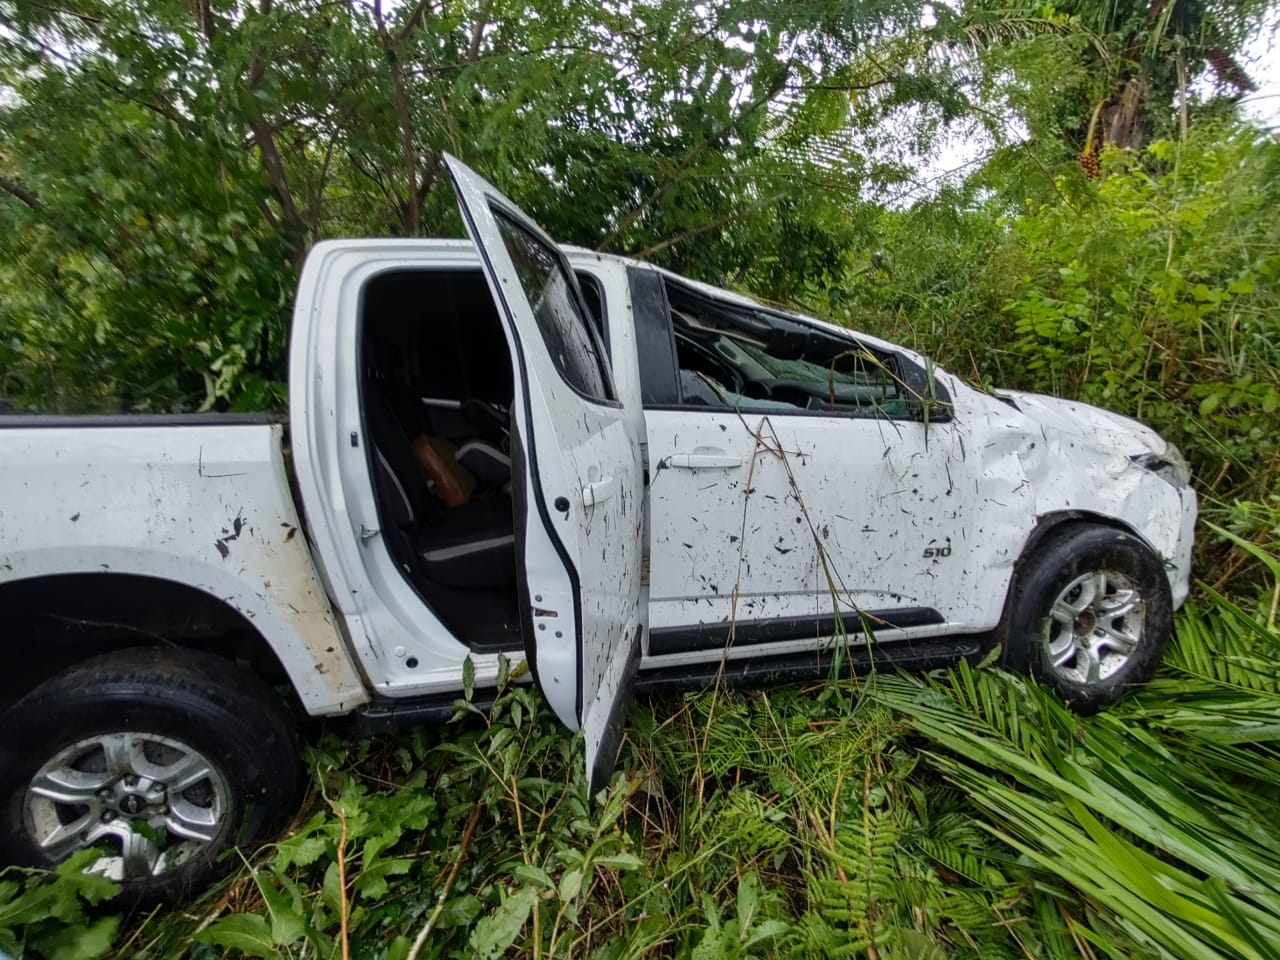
{"points": [[577, 456], [877, 494], [403, 647], [872, 502], [205, 506]]}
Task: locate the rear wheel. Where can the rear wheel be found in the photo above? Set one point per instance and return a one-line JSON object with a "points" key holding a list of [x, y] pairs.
{"points": [[1090, 615], [163, 759]]}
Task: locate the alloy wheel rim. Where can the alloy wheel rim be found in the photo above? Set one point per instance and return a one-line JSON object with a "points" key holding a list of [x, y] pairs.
{"points": [[149, 802], [1093, 627]]}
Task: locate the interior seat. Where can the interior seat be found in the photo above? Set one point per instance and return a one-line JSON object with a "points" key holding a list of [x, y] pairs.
{"points": [[491, 422], [472, 545], [487, 463], [482, 454]]}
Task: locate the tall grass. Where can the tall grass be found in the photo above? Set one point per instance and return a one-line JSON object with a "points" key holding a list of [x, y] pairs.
{"points": [[961, 814]]}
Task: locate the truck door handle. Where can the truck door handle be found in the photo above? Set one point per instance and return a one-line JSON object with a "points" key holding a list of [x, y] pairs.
{"points": [[597, 492], [704, 458]]}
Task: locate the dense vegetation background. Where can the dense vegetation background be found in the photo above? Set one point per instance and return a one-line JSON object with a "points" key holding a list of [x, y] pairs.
{"points": [[165, 165]]}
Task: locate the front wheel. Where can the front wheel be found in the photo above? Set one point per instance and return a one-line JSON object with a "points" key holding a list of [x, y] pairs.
{"points": [[162, 759], [1090, 615]]}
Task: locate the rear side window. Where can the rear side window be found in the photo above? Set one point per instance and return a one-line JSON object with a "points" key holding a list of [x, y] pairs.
{"points": [[557, 306]]}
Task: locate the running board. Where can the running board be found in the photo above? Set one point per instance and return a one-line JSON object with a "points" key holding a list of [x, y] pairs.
{"points": [[765, 672], [386, 715]]}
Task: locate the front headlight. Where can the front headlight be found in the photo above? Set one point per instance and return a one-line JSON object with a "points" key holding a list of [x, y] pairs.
{"points": [[1169, 465]]}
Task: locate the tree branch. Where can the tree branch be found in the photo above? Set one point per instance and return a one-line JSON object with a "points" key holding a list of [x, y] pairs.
{"points": [[14, 189], [842, 87], [705, 228], [411, 24], [663, 188], [203, 10], [264, 138], [430, 171], [477, 32], [408, 151]]}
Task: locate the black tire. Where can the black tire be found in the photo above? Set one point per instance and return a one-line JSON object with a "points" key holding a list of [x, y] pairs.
{"points": [[1065, 567], [171, 714]]}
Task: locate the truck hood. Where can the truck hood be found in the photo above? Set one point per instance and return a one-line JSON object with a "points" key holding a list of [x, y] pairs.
{"points": [[1092, 425]]}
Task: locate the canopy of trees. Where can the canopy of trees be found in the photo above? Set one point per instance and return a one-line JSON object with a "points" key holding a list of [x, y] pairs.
{"points": [[165, 164]]}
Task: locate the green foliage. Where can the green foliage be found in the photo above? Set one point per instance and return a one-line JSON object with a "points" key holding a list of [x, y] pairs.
{"points": [[47, 914], [964, 814], [1154, 294], [164, 167]]}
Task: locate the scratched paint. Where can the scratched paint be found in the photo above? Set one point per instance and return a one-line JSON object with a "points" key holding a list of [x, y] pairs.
{"points": [[761, 516], [586, 452], [206, 506]]}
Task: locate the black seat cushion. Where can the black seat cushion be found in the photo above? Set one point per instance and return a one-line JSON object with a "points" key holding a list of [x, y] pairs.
{"points": [[471, 546]]}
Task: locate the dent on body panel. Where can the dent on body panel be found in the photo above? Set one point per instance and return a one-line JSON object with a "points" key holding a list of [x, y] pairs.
{"points": [[1090, 480], [1001, 463]]}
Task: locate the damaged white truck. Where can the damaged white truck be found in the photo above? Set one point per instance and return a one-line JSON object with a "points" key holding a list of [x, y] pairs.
{"points": [[500, 448]]}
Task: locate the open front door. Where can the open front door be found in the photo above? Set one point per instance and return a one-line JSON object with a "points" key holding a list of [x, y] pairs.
{"points": [[576, 478]]}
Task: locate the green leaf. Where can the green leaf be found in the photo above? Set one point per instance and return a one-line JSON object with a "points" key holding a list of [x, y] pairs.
{"points": [[250, 933], [79, 942], [1211, 403], [533, 874], [497, 931], [989, 659], [748, 899], [372, 880], [620, 861], [711, 946], [460, 911], [301, 850], [287, 925], [571, 883], [466, 706]]}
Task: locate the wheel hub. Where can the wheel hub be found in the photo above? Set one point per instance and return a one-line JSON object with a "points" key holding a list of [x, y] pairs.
{"points": [[133, 796], [149, 802], [1094, 626]]}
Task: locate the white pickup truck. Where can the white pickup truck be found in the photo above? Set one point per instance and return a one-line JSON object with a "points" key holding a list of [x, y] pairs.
{"points": [[500, 448]]}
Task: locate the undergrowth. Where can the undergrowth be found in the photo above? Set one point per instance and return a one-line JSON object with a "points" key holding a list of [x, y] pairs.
{"points": [[961, 814]]}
